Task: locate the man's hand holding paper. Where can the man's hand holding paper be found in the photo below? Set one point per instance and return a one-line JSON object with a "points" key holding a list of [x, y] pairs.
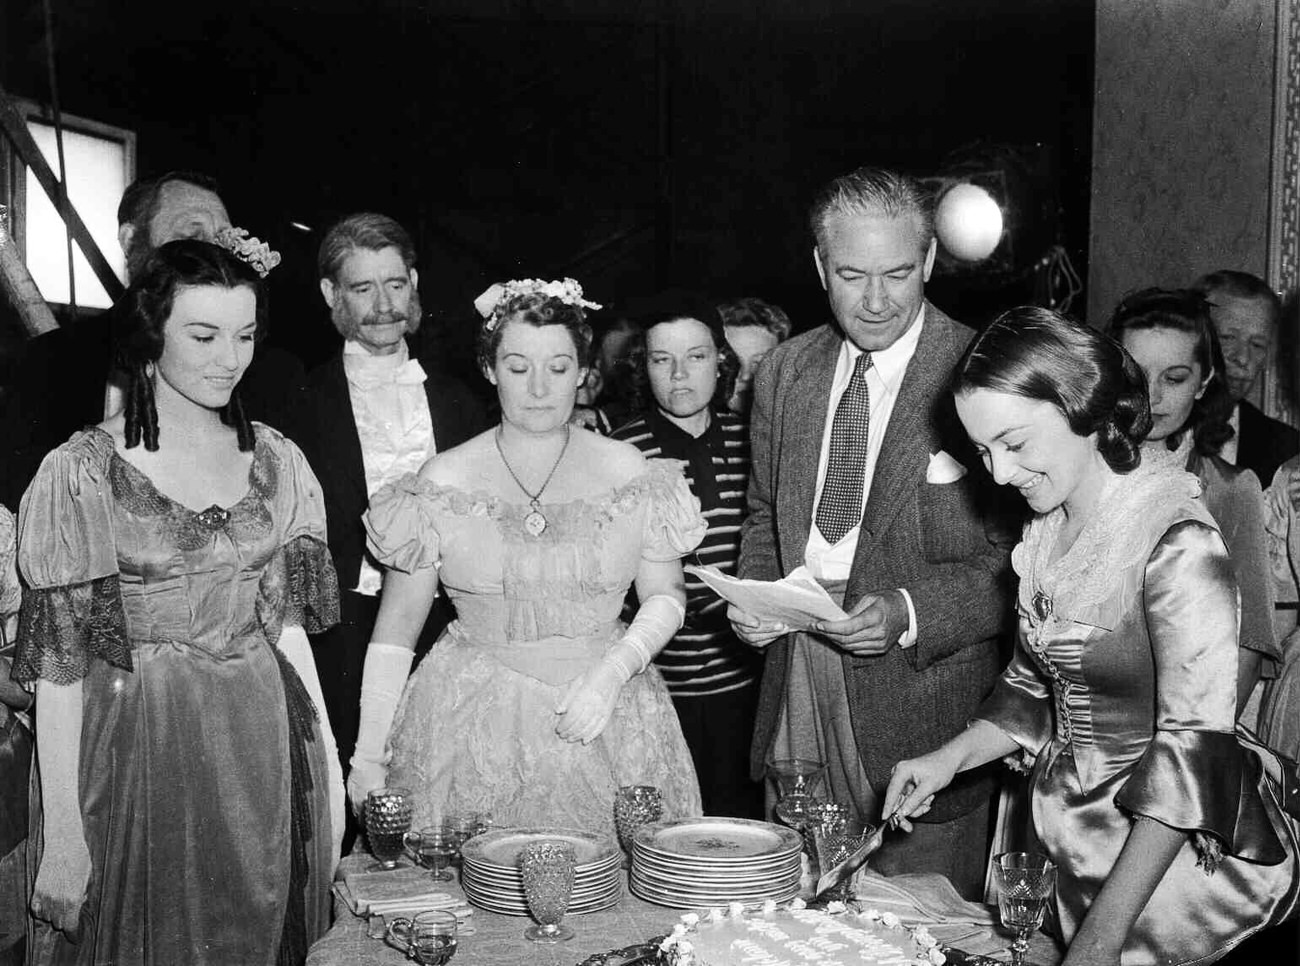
{"points": [[763, 610]]}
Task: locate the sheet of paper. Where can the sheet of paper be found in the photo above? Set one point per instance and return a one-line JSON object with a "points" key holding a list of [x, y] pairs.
{"points": [[797, 600]]}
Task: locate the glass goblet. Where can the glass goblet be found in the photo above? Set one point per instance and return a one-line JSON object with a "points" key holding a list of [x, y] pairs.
{"points": [[461, 827], [483, 822], [634, 806], [1024, 882], [546, 868], [435, 849], [796, 782], [428, 938], [836, 837], [388, 819]]}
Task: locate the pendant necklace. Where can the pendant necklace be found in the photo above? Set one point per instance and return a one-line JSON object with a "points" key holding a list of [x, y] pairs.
{"points": [[535, 522]]}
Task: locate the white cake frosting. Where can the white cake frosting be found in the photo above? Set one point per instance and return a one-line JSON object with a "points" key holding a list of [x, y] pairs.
{"points": [[798, 936]]}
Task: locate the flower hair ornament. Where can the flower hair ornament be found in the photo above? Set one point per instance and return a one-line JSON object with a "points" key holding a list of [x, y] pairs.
{"points": [[249, 249], [492, 302]]}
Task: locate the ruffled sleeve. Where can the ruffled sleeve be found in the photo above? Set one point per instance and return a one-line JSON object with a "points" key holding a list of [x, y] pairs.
{"points": [[401, 527], [72, 611], [674, 525], [300, 587], [1020, 704], [1194, 775]]}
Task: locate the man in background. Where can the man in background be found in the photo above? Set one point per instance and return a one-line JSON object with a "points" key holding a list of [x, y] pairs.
{"points": [[1247, 314]]}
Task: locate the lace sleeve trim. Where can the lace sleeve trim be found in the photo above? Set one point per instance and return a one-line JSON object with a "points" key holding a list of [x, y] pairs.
{"points": [[299, 587], [312, 600], [62, 628]]}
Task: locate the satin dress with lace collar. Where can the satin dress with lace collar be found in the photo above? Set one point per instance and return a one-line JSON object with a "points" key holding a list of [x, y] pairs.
{"points": [[475, 730], [202, 773], [1122, 692]]}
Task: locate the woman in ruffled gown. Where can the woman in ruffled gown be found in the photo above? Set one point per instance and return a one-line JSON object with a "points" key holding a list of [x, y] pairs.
{"points": [[1168, 835], [537, 702], [183, 760]]}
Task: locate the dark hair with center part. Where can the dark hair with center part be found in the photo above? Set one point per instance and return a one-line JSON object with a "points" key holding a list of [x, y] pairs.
{"points": [[140, 319], [1184, 310], [1037, 354]]}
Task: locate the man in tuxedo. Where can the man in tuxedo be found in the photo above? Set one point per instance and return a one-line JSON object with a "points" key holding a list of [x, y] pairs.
{"points": [[1246, 313], [369, 415], [862, 474]]}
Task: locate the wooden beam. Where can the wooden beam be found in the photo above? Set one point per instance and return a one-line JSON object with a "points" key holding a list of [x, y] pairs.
{"points": [[13, 124]]}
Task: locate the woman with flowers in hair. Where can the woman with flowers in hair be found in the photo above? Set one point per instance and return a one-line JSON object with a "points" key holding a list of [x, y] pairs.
{"points": [[173, 557], [537, 702]]}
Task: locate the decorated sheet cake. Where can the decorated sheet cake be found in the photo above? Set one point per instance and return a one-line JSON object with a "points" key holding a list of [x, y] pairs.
{"points": [[797, 936]]}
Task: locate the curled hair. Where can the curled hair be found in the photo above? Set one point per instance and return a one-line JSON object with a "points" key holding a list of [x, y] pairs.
{"points": [[1184, 310], [140, 320], [868, 190], [368, 230], [1037, 354], [674, 307], [744, 312], [538, 310]]}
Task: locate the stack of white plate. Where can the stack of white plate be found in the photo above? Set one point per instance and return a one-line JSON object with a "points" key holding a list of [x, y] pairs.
{"points": [[714, 861], [489, 871]]}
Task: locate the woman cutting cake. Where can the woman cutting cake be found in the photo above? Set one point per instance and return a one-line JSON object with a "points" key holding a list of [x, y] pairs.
{"points": [[1170, 843]]}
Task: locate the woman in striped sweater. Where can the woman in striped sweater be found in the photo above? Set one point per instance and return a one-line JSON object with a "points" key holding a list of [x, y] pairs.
{"points": [[683, 373]]}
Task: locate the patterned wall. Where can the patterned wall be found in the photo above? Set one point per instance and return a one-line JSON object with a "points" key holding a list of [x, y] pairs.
{"points": [[1182, 135]]}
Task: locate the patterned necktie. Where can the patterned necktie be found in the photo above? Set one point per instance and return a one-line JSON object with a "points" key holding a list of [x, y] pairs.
{"points": [[840, 507]]}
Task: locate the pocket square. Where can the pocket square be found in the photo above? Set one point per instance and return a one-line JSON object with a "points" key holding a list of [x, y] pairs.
{"points": [[943, 469]]}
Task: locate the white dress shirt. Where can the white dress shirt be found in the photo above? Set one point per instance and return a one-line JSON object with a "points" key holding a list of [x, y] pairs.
{"points": [[391, 411], [832, 562]]}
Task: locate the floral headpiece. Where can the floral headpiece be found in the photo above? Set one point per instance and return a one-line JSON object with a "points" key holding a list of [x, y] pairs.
{"points": [[492, 302], [257, 253]]}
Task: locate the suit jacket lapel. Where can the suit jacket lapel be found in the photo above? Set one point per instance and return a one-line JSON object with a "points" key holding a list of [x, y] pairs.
{"points": [[807, 402], [337, 418], [903, 454]]}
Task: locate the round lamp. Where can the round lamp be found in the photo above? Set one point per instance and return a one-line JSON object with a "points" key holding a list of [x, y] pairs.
{"points": [[968, 222]]}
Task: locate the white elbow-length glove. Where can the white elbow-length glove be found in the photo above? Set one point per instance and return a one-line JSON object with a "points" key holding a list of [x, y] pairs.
{"points": [[588, 702], [382, 680]]}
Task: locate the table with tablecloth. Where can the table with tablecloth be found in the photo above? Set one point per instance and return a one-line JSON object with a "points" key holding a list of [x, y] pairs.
{"points": [[498, 940]]}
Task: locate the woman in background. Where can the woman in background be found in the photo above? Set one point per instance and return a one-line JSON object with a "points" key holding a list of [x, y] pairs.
{"points": [[1170, 844], [173, 556], [682, 372], [1169, 334], [537, 702]]}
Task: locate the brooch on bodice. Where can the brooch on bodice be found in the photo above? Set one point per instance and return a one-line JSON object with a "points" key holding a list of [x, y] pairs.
{"points": [[213, 518], [1042, 605]]}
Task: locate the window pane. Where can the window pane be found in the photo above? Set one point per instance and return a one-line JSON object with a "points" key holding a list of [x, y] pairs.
{"points": [[96, 180]]}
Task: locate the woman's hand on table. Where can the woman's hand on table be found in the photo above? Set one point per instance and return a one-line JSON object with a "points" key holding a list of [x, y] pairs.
{"points": [[61, 883], [913, 785], [587, 703]]}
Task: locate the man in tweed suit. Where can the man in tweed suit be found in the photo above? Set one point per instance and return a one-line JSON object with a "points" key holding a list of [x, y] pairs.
{"points": [[861, 473]]}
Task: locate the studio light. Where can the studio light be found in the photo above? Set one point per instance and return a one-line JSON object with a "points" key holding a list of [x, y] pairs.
{"points": [[968, 222]]}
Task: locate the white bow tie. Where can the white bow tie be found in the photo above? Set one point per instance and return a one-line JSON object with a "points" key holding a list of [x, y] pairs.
{"points": [[367, 378]]}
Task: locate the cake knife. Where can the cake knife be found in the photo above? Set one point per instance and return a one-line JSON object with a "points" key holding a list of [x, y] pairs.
{"points": [[859, 855]]}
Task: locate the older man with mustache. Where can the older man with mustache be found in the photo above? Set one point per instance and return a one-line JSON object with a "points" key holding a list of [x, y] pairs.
{"points": [[367, 416]]}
